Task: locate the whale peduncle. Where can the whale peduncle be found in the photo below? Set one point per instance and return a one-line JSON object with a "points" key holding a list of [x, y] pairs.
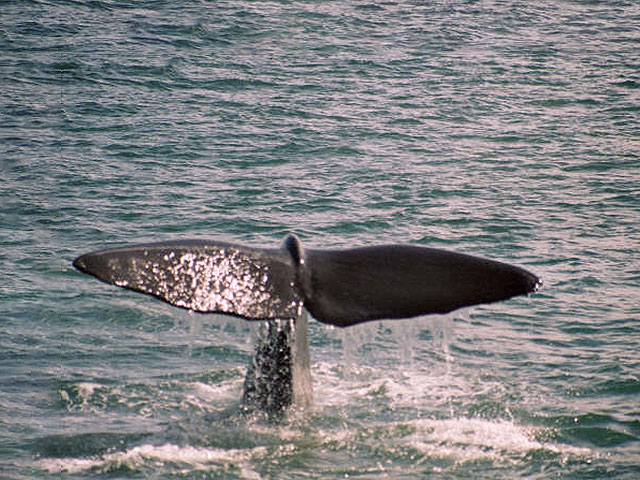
{"points": [[278, 376]]}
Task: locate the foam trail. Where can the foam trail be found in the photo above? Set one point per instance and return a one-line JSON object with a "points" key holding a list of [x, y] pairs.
{"points": [[197, 458]]}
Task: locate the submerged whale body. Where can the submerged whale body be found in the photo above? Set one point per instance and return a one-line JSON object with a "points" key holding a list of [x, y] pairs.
{"points": [[338, 287]]}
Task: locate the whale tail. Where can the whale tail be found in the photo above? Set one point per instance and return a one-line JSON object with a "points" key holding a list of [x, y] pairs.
{"points": [[338, 287]]}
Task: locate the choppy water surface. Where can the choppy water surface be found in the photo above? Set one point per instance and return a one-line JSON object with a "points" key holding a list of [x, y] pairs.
{"points": [[503, 129]]}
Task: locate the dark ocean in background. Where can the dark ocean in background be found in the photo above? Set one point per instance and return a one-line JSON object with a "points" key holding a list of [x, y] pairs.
{"points": [[506, 129]]}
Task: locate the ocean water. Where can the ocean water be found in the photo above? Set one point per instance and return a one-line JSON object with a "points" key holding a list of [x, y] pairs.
{"points": [[503, 129]]}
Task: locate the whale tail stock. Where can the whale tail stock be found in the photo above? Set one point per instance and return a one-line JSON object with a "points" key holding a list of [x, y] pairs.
{"points": [[338, 287]]}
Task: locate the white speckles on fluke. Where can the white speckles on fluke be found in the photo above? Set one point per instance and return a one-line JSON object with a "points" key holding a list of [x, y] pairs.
{"points": [[203, 277]]}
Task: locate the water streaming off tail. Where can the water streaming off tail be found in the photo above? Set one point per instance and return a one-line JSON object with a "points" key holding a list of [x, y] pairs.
{"points": [[398, 341]]}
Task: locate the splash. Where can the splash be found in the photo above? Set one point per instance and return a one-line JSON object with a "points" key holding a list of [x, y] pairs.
{"points": [[471, 439], [137, 458]]}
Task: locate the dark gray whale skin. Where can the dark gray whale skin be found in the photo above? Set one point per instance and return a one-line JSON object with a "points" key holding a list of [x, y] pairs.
{"points": [[278, 375], [338, 287]]}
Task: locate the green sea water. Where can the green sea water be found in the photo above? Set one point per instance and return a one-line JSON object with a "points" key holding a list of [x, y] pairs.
{"points": [[506, 129]]}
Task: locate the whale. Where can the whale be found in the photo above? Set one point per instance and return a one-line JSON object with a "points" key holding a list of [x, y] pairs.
{"points": [[282, 287]]}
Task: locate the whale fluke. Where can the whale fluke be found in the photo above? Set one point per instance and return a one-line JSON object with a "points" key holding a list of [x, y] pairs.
{"points": [[203, 276], [346, 287], [338, 287]]}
